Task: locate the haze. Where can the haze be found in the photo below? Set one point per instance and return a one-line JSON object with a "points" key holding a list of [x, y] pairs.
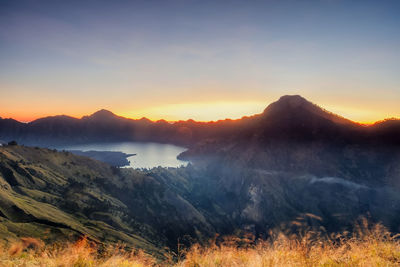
{"points": [[204, 60]]}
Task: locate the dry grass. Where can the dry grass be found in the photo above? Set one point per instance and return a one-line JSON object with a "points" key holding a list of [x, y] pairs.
{"points": [[31, 252], [367, 246]]}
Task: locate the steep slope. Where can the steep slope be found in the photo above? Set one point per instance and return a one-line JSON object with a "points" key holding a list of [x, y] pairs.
{"points": [[44, 191], [234, 198]]}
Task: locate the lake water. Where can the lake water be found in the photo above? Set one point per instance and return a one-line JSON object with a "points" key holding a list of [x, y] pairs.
{"points": [[148, 155]]}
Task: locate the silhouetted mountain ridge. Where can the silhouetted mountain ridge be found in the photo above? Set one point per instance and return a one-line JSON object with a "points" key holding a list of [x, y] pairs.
{"points": [[291, 118]]}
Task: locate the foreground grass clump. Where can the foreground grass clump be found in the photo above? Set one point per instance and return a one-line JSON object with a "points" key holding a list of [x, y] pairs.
{"points": [[32, 252], [368, 247]]}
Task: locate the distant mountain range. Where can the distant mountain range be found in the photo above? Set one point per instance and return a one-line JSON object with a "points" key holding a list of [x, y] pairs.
{"points": [[105, 126], [291, 117]]}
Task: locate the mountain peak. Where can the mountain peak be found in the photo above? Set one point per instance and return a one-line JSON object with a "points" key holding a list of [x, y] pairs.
{"points": [[103, 113], [290, 101], [295, 105], [293, 99]]}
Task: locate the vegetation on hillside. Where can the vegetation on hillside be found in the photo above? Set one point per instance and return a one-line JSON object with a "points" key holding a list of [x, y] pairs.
{"points": [[58, 195]]}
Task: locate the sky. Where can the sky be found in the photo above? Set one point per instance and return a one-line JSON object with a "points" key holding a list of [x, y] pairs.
{"points": [[199, 59]]}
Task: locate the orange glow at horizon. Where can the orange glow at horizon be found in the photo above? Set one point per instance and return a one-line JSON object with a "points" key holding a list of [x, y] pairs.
{"points": [[199, 111], [203, 112]]}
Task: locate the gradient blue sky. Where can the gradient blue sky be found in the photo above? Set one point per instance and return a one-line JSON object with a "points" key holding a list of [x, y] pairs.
{"points": [[205, 60]]}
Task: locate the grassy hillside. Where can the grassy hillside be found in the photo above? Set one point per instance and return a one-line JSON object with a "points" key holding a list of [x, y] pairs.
{"points": [[60, 196]]}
